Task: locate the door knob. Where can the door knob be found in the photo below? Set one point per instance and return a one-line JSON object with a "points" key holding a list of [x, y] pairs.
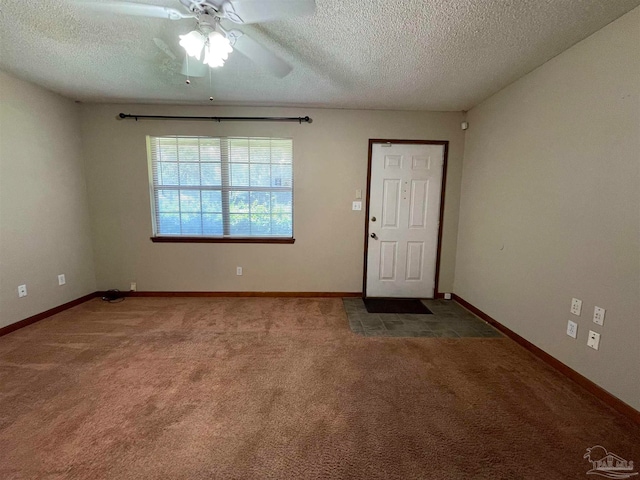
{"points": [[374, 236], [373, 219]]}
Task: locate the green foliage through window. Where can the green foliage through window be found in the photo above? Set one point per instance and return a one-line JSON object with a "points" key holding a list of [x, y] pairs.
{"points": [[222, 187]]}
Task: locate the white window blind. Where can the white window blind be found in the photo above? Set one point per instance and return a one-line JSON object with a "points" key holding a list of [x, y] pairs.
{"points": [[222, 187]]}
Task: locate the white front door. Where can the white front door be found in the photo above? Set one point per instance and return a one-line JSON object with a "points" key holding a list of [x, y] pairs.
{"points": [[404, 216]]}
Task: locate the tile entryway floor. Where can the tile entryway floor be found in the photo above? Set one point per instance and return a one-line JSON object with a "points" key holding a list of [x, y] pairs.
{"points": [[449, 320]]}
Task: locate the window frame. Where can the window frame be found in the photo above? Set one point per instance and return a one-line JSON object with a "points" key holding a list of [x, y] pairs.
{"points": [[225, 163]]}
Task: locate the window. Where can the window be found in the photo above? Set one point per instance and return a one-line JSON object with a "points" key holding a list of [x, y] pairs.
{"points": [[206, 188]]}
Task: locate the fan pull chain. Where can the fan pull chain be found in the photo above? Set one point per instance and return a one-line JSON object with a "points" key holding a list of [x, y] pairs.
{"points": [[188, 82], [210, 88]]}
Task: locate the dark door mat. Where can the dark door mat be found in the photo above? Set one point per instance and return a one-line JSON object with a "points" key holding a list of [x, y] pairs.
{"points": [[395, 305]]}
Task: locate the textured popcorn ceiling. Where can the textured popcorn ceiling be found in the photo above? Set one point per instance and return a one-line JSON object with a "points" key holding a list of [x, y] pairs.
{"points": [[394, 54]]}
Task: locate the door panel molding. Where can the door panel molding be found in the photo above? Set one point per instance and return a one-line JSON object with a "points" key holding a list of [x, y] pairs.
{"points": [[415, 252], [390, 203], [388, 260], [418, 203], [372, 142]]}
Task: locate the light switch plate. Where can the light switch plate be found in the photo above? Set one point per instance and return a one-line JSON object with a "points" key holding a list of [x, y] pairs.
{"points": [[572, 329], [22, 291], [598, 315], [594, 340], [356, 206], [62, 279], [576, 306], [358, 194]]}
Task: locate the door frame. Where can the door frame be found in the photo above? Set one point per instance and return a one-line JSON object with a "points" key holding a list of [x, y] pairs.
{"points": [[372, 141]]}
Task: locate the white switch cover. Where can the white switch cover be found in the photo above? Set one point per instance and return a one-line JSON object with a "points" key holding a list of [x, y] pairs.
{"points": [[61, 279], [22, 291], [356, 206], [238, 270], [576, 306], [572, 329], [594, 340], [598, 315], [358, 194]]}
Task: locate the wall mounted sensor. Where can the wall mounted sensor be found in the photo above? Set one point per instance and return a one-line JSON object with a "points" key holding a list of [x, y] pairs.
{"points": [[464, 125]]}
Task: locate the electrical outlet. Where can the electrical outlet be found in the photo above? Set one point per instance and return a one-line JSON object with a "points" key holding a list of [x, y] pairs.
{"points": [[593, 340], [133, 287], [356, 206], [572, 329], [576, 306], [238, 270], [22, 291], [61, 279], [447, 296], [598, 315]]}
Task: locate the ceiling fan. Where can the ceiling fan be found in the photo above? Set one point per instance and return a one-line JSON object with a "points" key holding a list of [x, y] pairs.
{"points": [[215, 33]]}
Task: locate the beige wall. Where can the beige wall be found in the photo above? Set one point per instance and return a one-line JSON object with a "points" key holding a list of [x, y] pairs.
{"points": [[44, 215], [550, 206], [330, 164]]}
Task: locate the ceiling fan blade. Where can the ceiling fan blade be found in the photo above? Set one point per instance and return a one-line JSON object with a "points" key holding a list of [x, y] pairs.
{"points": [[137, 9], [255, 11], [164, 48], [261, 55]]}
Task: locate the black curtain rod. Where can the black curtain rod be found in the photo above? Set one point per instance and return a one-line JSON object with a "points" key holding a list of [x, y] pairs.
{"points": [[221, 119]]}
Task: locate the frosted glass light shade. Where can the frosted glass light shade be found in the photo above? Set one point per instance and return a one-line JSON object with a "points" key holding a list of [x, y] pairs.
{"points": [[217, 49], [193, 43]]}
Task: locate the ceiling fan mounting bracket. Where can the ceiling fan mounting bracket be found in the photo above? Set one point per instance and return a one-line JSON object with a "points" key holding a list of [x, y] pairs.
{"points": [[223, 11]]}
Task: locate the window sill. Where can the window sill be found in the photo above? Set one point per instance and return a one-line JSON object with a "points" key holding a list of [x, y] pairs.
{"points": [[272, 240]]}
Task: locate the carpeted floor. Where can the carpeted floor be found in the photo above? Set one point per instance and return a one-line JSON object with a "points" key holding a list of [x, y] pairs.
{"points": [[217, 388]]}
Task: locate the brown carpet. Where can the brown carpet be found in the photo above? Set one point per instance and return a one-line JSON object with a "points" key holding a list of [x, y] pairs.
{"points": [[189, 388]]}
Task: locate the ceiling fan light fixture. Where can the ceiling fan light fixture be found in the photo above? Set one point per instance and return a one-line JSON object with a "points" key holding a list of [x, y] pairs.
{"points": [[213, 62], [217, 49], [193, 43]]}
